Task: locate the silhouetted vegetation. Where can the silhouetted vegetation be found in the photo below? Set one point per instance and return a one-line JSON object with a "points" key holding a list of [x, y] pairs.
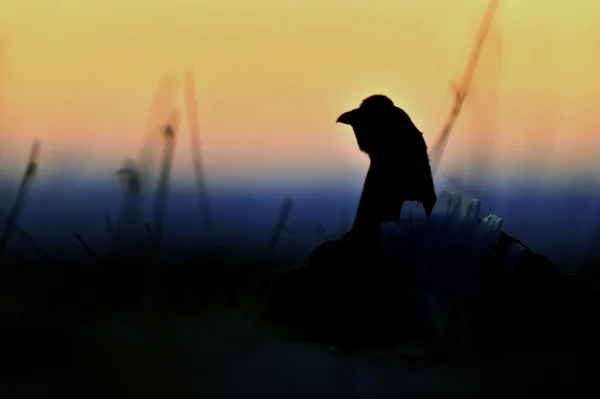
{"points": [[406, 293], [114, 321]]}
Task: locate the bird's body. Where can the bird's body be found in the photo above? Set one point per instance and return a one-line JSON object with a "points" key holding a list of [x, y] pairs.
{"points": [[353, 288], [399, 170]]}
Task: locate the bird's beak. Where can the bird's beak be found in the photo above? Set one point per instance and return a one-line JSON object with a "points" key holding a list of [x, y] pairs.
{"points": [[348, 118]]}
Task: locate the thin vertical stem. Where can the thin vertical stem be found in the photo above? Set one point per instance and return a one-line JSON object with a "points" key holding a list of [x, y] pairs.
{"points": [[162, 192], [22, 194], [192, 114], [461, 93], [284, 213]]}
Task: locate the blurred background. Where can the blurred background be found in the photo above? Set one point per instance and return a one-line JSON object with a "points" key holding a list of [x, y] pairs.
{"points": [[271, 78]]}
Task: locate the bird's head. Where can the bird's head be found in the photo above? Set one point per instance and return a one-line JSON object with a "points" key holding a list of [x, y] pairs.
{"points": [[371, 107], [375, 114]]}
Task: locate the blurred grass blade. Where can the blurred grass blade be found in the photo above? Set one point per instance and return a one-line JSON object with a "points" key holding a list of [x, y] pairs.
{"points": [[163, 102], [322, 232], [192, 114], [25, 236], [86, 247], [162, 192], [439, 146], [280, 226], [24, 189], [131, 213]]}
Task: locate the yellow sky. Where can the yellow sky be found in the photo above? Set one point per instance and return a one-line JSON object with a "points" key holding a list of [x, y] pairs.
{"points": [[273, 75]]}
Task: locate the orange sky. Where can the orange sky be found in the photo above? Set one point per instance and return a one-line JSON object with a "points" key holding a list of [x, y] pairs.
{"points": [[272, 77]]}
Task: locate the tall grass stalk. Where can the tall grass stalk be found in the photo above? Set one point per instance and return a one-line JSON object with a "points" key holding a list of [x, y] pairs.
{"points": [[162, 192], [192, 114], [24, 189]]}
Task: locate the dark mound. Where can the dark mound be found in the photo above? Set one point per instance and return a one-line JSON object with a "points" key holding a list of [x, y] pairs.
{"points": [[350, 299]]}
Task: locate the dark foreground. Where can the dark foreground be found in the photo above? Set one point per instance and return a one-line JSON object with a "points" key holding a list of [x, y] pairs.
{"points": [[210, 327]]}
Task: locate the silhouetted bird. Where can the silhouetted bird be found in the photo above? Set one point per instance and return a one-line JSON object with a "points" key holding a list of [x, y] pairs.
{"points": [[399, 169]]}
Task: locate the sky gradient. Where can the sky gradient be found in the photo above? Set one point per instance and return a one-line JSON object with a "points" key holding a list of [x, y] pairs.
{"points": [[272, 76]]}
